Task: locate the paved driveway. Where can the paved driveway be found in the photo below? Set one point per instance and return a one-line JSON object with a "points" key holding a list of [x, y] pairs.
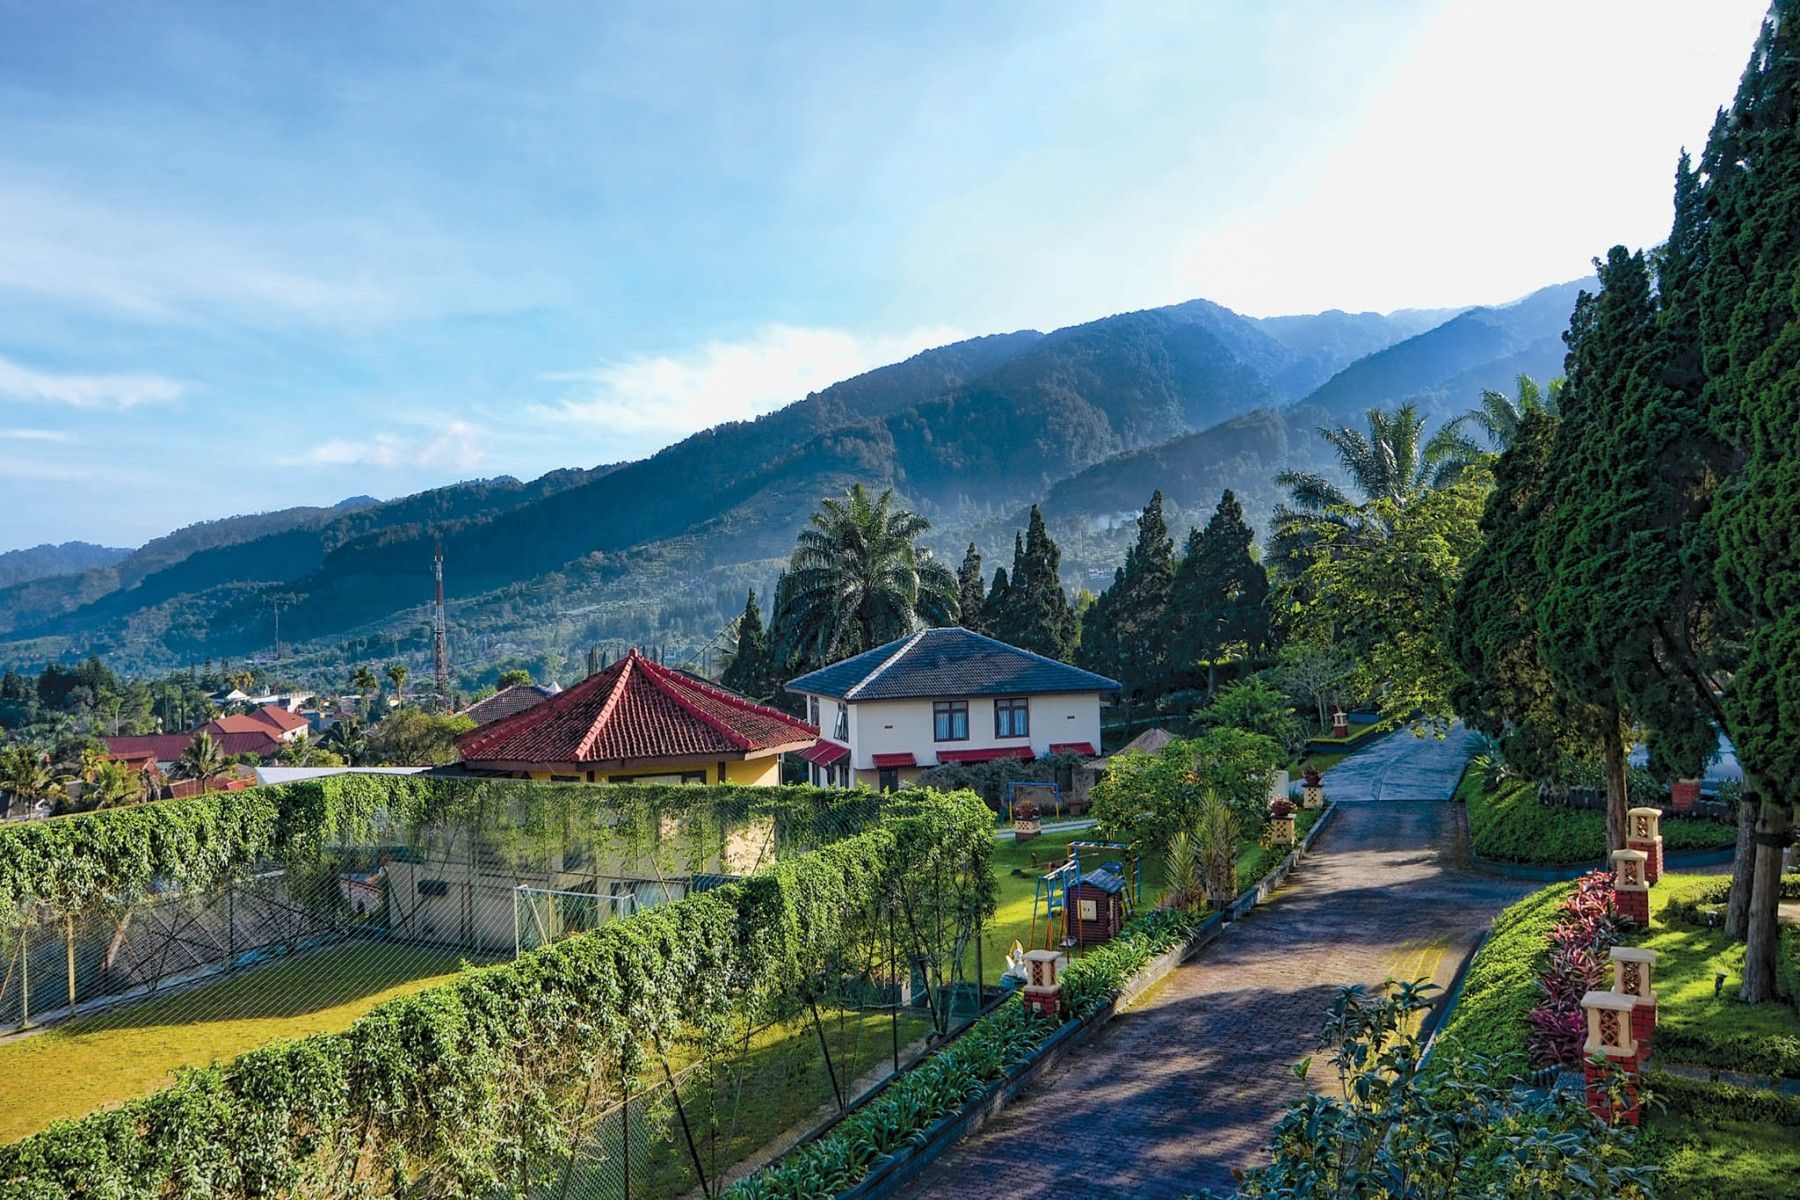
{"points": [[1403, 766], [1182, 1089]]}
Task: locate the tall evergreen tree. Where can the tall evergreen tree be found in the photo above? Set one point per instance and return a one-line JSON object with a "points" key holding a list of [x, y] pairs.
{"points": [[1219, 596], [1585, 543], [1043, 620], [995, 610], [1750, 340], [971, 591], [1135, 643], [752, 670]]}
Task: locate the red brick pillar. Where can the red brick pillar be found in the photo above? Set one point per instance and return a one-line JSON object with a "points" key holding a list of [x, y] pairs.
{"points": [[1631, 977], [1643, 833], [1611, 1046], [1631, 894], [1683, 794]]}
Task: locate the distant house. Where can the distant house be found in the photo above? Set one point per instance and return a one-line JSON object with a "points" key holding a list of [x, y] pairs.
{"points": [[270, 719], [161, 750], [509, 700], [639, 722], [945, 696]]}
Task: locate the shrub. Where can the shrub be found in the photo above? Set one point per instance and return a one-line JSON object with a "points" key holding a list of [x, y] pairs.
{"points": [[1508, 824], [1491, 1020], [1576, 965]]}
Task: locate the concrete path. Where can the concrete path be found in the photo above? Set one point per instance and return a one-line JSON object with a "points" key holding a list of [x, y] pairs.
{"points": [[1403, 766], [1175, 1094]]}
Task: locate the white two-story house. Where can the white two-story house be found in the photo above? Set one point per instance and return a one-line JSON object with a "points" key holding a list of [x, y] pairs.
{"points": [[944, 696]]}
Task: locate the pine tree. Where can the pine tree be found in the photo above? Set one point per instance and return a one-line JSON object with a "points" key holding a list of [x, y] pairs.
{"points": [[1750, 340], [971, 592], [1219, 596], [1042, 619], [752, 670], [1136, 608], [996, 610]]}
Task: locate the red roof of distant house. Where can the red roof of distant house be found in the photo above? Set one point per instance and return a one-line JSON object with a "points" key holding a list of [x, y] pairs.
{"points": [[824, 753], [167, 747], [270, 718], [635, 709], [507, 701], [981, 756], [1086, 748], [903, 759]]}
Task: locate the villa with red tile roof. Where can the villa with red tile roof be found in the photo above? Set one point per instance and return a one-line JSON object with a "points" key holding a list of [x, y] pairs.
{"points": [[640, 722], [271, 719]]}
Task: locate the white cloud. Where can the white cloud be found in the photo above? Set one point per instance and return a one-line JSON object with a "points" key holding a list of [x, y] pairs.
{"points": [[129, 390], [36, 435], [458, 444], [728, 380]]}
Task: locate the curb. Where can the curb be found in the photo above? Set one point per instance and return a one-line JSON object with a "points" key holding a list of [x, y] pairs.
{"points": [[1440, 1016], [1260, 892], [1671, 862], [897, 1170]]}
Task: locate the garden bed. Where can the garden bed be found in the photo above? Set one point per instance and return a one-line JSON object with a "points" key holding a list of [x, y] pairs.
{"points": [[1510, 825], [1491, 1017]]}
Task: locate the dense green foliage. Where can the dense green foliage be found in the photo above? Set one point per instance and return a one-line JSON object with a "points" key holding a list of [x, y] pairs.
{"points": [[1219, 598], [69, 558], [1029, 607], [465, 1088], [1147, 799], [1510, 824], [1713, 1141], [1460, 1131], [1125, 632], [751, 671], [978, 1060]]}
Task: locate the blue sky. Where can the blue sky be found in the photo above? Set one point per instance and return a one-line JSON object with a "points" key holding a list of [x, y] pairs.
{"points": [[254, 256]]}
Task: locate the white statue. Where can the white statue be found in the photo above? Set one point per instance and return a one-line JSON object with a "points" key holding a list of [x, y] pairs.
{"points": [[1015, 962]]}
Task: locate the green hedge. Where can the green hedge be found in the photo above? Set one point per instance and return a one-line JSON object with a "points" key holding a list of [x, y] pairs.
{"points": [[940, 1086], [1501, 987], [1509, 825], [465, 1089]]}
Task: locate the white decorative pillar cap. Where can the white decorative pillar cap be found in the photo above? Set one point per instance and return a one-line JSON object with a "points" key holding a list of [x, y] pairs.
{"points": [[1609, 1024]]}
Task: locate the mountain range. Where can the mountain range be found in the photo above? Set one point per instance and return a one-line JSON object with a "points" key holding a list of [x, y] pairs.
{"points": [[1086, 420]]}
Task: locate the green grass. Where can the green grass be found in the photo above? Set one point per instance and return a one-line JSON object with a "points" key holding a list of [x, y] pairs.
{"points": [[1359, 734], [1694, 1026], [1016, 867], [1501, 987], [75, 1067], [1509, 825], [1717, 1142]]}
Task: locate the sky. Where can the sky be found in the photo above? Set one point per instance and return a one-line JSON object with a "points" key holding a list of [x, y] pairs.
{"points": [[254, 256]]}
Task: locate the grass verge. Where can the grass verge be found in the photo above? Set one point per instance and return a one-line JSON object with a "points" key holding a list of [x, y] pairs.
{"points": [[1509, 825]]}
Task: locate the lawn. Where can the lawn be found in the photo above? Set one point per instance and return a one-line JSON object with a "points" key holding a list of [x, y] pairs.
{"points": [[1718, 1142], [1692, 1024], [75, 1067]]}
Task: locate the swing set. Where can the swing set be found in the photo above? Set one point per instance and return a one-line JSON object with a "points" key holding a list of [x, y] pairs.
{"points": [[1051, 898]]}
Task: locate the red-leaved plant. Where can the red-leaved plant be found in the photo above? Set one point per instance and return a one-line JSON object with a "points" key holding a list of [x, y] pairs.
{"points": [[1578, 964]]}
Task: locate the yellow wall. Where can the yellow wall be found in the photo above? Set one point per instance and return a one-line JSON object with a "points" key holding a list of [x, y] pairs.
{"points": [[761, 772]]}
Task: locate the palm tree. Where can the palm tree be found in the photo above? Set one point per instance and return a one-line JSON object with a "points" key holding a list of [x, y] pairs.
{"points": [[28, 777], [397, 673], [349, 739], [201, 760], [1392, 461], [1498, 417], [363, 681], [859, 578]]}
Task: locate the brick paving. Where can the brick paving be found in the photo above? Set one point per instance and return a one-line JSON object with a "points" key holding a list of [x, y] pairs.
{"points": [[1173, 1095]]}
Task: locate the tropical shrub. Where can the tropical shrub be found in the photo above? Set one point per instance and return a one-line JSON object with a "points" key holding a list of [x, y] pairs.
{"points": [[1460, 1131], [1145, 799], [942, 1084], [1491, 1020], [1509, 824], [1577, 964], [1255, 706]]}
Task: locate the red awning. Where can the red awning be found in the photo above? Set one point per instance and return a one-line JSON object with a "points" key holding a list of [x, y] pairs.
{"points": [[824, 753], [1086, 748], [977, 756], [904, 759]]}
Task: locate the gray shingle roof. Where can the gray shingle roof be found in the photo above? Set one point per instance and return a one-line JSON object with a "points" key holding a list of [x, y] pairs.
{"points": [[939, 663]]}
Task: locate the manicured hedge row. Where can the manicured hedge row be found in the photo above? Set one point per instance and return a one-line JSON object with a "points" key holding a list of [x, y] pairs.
{"points": [[472, 1088], [941, 1085], [1501, 989], [114, 856], [1509, 825]]}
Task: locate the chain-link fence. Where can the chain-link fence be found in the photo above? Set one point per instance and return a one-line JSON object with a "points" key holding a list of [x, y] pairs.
{"points": [[105, 1004]]}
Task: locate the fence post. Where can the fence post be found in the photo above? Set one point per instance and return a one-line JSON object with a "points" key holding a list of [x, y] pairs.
{"points": [[69, 926], [25, 974]]}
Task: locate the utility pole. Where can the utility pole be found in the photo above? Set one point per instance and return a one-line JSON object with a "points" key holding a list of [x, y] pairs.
{"points": [[440, 633]]}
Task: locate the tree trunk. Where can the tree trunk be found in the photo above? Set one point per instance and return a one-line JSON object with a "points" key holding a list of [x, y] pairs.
{"points": [[1617, 799], [1765, 900], [1743, 862]]}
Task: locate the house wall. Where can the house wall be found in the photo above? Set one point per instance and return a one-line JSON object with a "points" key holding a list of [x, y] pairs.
{"points": [[901, 726], [760, 772]]}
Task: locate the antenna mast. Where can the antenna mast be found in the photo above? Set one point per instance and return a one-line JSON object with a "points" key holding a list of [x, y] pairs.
{"points": [[440, 632]]}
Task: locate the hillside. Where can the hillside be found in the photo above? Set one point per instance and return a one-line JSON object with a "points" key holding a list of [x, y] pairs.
{"points": [[36, 562], [1089, 418]]}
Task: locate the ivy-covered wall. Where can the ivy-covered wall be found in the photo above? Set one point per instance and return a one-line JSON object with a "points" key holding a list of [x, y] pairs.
{"points": [[480, 1086]]}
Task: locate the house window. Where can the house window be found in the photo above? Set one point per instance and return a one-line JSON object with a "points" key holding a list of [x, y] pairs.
{"points": [[1012, 718], [888, 779], [950, 721], [841, 731], [812, 711]]}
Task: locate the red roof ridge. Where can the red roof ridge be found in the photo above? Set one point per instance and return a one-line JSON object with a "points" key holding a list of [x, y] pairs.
{"points": [[670, 684], [619, 683]]}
